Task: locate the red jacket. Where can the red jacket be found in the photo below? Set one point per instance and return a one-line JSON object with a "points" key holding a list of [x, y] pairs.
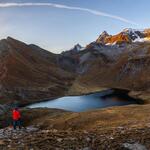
{"points": [[16, 115]]}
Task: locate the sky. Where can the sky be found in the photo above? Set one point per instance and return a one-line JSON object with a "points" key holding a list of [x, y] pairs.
{"points": [[57, 25]]}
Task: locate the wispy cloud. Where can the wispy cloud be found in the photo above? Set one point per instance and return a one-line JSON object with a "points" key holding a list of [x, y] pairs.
{"points": [[60, 6]]}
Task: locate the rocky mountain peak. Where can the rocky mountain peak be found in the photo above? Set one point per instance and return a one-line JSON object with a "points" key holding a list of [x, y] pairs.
{"points": [[10, 38], [104, 33], [77, 47], [107, 39], [147, 30], [14, 41], [147, 33], [102, 37], [128, 35]]}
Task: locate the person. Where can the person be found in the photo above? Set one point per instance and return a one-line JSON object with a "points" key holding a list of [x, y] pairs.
{"points": [[16, 118]]}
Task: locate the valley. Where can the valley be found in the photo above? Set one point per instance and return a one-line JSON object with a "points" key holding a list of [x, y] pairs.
{"points": [[30, 74]]}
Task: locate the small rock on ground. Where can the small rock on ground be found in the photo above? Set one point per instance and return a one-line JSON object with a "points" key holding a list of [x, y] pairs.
{"points": [[135, 146]]}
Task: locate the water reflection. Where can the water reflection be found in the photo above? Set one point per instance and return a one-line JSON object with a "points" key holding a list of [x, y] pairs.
{"points": [[86, 102]]}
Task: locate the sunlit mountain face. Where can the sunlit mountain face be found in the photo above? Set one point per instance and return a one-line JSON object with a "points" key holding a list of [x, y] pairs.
{"points": [[126, 36]]}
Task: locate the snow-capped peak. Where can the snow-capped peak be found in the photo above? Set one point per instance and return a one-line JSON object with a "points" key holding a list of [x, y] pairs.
{"points": [[128, 35], [77, 48], [130, 30]]}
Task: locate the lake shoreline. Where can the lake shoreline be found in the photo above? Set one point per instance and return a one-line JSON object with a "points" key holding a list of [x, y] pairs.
{"points": [[52, 98], [105, 95]]}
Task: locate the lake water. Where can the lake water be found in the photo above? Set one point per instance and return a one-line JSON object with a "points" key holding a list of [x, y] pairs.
{"points": [[87, 102]]}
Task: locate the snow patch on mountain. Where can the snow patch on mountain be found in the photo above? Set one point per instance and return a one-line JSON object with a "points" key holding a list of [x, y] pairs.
{"points": [[77, 47]]}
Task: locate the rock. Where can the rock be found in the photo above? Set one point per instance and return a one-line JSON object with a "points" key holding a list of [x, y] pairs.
{"points": [[31, 129], [72, 139], [2, 142], [87, 148], [9, 134], [111, 138], [121, 128], [85, 132], [59, 140], [135, 146], [88, 139], [54, 130], [45, 131]]}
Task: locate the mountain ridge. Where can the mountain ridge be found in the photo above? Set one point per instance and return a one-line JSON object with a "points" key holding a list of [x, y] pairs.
{"points": [[128, 35], [29, 73]]}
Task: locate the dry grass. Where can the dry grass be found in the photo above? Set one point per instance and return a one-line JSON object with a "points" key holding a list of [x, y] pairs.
{"points": [[128, 116]]}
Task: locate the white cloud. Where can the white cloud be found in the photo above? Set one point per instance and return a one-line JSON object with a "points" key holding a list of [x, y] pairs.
{"points": [[94, 12]]}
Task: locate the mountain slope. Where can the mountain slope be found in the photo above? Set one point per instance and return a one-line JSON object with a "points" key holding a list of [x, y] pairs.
{"points": [[123, 64], [29, 72]]}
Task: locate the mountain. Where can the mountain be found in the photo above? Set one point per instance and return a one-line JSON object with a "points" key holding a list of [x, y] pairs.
{"points": [[69, 60], [76, 48], [121, 61], [102, 37], [29, 73], [126, 36]]}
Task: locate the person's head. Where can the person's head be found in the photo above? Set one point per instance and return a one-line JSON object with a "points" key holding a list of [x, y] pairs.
{"points": [[16, 108]]}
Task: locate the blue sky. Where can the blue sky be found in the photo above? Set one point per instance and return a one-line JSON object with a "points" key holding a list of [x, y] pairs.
{"points": [[58, 29]]}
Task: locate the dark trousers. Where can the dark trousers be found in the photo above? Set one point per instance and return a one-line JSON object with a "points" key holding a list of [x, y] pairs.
{"points": [[17, 123]]}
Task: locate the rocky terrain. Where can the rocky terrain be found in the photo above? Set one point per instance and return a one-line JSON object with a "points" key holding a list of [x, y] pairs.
{"points": [[116, 128]]}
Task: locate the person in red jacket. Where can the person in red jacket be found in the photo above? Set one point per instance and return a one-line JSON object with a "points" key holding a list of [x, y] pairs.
{"points": [[16, 118]]}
